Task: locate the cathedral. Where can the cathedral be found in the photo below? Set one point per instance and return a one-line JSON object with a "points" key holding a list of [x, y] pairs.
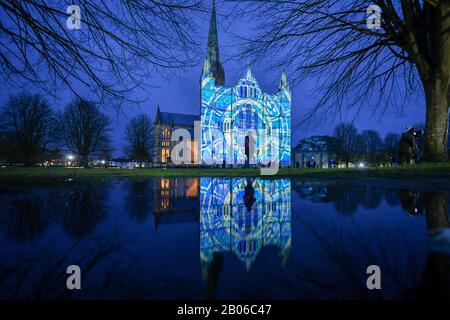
{"points": [[241, 113], [237, 123]]}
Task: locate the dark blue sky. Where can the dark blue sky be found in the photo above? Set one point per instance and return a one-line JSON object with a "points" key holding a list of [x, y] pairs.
{"points": [[179, 91]]}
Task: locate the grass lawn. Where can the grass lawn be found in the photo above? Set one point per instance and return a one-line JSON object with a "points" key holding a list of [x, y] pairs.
{"points": [[438, 171]]}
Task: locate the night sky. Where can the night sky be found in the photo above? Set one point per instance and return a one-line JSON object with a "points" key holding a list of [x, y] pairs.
{"points": [[178, 91]]}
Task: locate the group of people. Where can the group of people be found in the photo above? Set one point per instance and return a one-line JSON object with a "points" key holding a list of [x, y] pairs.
{"points": [[408, 151], [311, 164]]}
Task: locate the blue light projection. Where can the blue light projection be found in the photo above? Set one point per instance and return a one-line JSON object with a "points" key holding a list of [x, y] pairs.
{"points": [[234, 111], [243, 215]]}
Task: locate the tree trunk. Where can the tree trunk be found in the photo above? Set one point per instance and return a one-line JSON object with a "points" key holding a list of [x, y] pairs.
{"points": [[85, 161], [436, 125], [436, 207]]}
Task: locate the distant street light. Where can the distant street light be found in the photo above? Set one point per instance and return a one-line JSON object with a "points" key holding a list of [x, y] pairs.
{"points": [[70, 157], [361, 165]]}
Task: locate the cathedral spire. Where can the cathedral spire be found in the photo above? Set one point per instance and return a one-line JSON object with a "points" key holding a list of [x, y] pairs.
{"points": [[158, 115], [213, 49], [284, 83]]}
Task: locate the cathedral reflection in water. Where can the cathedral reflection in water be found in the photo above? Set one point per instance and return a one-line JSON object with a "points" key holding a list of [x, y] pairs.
{"points": [[243, 215], [235, 215]]}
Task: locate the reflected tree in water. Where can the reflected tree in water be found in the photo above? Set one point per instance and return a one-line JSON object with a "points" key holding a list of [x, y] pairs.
{"points": [[411, 201], [436, 278], [347, 250], [345, 199], [24, 217], [391, 198], [138, 199], [436, 205], [372, 196], [213, 275], [110, 270], [83, 207]]}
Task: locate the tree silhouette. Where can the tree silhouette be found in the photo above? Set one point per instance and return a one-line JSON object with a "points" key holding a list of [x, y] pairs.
{"points": [[28, 121], [390, 144], [347, 142], [138, 136], [85, 128], [119, 45], [357, 62], [372, 145]]}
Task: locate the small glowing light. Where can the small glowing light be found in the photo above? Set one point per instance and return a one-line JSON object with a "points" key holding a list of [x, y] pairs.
{"points": [[103, 161], [70, 157], [361, 165]]}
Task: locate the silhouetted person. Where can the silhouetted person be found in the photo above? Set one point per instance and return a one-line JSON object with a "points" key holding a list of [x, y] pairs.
{"points": [[249, 195], [394, 161], [407, 147], [249, 149]]}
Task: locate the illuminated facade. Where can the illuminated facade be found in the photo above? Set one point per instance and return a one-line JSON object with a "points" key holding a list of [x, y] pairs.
{"points": [[241, 111], [163, 127], [242, 216], [229, 116]]}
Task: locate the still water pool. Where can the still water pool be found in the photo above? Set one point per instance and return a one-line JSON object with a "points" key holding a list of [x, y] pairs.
{"points": [[223, 238]]}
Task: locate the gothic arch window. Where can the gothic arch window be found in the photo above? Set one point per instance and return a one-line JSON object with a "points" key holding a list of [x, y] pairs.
{"points": [[164, 155], [166, 133]]}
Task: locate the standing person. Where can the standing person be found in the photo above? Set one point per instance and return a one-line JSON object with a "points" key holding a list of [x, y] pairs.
{"points": [[249, 195], [247, 151], [407, 147], [394, 161]]}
